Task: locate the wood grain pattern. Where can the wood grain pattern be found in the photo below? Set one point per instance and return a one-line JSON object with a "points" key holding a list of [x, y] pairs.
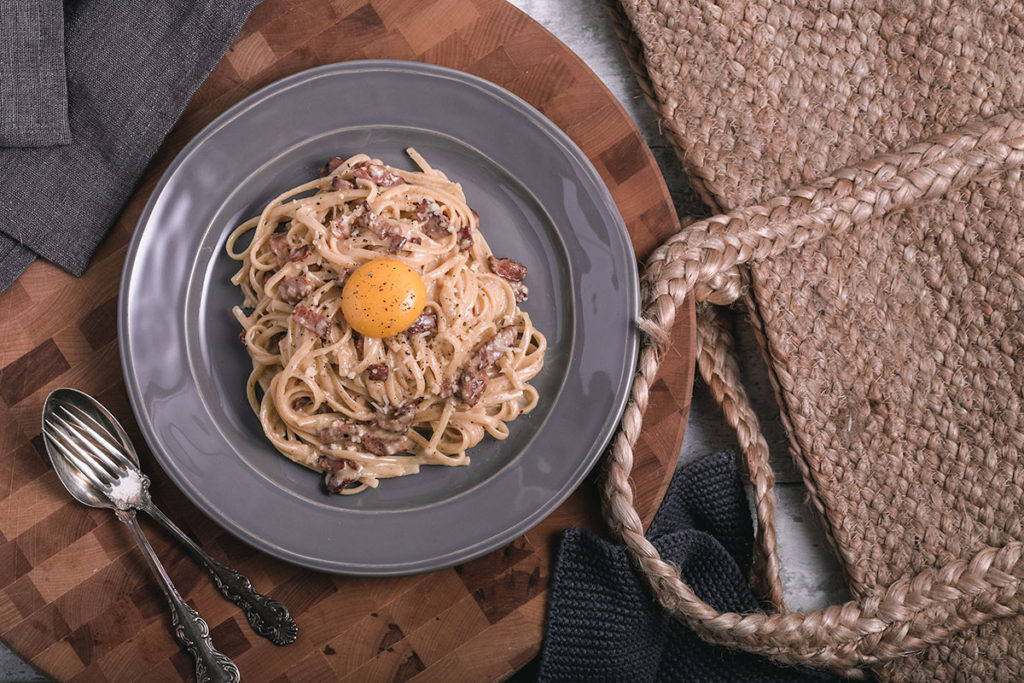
{"points": [[75, 597]]}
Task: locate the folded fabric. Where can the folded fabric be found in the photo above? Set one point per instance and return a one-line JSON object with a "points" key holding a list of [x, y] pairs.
{"points": [[33, 87], [603, 623], [131, 68]]}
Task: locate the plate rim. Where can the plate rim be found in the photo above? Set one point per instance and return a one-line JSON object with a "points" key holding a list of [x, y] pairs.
{"points": [[598, 444]]}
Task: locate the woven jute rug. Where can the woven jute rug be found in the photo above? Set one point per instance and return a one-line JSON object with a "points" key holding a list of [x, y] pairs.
{"points": [[864, 158]]}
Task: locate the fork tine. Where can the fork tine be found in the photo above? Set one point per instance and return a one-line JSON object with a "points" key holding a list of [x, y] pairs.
{"points": [[73, 441], [113, 450], [55, 432], [74, 437], [83, 467]]}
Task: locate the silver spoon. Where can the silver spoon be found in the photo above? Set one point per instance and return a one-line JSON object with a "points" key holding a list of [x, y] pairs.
{"points": [[95, 460], [73, 410], [83, 478]]}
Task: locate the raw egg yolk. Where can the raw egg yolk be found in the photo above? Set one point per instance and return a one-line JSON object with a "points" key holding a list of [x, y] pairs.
{"points": [[383, 297]]}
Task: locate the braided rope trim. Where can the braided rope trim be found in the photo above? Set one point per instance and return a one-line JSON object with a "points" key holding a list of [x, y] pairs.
{"points": [[913, 612], [718, 363], [764, 571]]}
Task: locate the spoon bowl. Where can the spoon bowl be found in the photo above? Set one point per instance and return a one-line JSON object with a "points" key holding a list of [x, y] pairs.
{"points": [[74, 481]]}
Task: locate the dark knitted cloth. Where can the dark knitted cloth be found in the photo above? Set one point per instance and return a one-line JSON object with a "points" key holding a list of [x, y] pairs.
{"points": [[603, 623], [126, 68]]}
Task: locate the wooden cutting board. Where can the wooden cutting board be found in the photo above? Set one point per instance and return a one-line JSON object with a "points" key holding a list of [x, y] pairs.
{"points": [[76, 599]]}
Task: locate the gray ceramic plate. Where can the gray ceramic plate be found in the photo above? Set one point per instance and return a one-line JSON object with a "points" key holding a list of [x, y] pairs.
{"points": [[540, 202]]}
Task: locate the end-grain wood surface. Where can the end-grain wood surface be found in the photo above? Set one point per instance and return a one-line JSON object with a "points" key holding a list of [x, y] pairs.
{"points": [[76, 599]]}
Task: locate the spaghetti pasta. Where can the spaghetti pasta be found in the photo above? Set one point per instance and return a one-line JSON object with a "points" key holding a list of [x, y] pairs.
{"points": [[363, 408]]}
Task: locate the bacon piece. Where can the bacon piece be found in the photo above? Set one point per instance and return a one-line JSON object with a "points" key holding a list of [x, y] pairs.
{"points": [[471, 386], [328, 168], [375, 443], [416, 240], [339, 431], [473, 379], [435, 222], [437, 226], [397, 418], [329, 464], [279, 245], [447, 389], [377, 173], [339, 473], [507, 269], [383, 445], [425, 323], [295, 289], [338, 183], [369, 220], [301, 402], [513, 272], [312, 321], [378, 372], [465, 238], [396, 244], [241, 338], [383, 228], [340, 228], [491, 350], [299, 253]]}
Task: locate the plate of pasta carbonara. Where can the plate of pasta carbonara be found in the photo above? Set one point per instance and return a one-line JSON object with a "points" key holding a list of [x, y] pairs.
{"points": [[379, 335], [384, 333]]}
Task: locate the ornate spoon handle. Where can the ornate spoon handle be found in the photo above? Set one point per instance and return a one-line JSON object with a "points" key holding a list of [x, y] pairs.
{"points": [[268, 617], [189, 628]]}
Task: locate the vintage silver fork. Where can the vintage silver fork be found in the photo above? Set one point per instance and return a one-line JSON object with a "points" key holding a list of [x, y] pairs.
{"points": [[95, 460], [91, 485]]}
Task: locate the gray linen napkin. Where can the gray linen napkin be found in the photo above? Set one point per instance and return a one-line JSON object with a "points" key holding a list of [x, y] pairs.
{"points": [[604, 623], [131, 68], [33, 88]]}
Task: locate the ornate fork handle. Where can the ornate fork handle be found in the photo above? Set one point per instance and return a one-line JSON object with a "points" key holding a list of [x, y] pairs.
{"points": [[189, 628], [268, 617]]}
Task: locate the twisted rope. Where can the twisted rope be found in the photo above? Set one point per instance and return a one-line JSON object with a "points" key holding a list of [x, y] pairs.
{"points": [[913, 612], [717, 361]]}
